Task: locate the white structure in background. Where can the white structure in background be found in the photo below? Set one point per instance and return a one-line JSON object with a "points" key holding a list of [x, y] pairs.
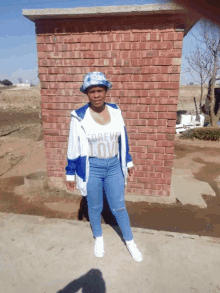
{"points": [[23, 85], [188, 121]]}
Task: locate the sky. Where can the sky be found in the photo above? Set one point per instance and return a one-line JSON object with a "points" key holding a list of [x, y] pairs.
{"points": [[18, 53]]}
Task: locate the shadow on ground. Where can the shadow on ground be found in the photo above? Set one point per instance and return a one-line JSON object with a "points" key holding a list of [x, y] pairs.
{"points": [[91, 282]]}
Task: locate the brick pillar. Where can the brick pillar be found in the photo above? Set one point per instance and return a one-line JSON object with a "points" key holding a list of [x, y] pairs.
{"points": [[141, 56]]}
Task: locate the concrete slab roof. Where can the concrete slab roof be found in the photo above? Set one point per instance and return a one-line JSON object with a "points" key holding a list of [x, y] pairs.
{"points": [[148, 9]]}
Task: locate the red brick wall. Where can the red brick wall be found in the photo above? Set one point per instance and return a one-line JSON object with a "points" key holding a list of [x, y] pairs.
{"points": [[141, 56]]}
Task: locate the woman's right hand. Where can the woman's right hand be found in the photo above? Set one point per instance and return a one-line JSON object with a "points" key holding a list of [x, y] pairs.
{"points": [[71, 185]]}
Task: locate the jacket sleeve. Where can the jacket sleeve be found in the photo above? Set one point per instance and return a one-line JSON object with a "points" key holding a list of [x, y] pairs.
{"points": [[73, 152], [128, 156]]}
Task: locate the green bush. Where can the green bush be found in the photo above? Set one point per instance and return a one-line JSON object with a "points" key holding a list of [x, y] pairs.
{"points": [[203, 133]]}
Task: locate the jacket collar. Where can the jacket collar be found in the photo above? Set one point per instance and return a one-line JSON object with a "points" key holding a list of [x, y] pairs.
{"points": [[80, 113]]}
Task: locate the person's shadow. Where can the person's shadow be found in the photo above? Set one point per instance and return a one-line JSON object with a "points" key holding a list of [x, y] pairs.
{"points": [[91, 282], [107, 215]]}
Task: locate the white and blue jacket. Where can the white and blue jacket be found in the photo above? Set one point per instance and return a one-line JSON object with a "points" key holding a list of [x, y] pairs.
{"points": [[78, 147]]}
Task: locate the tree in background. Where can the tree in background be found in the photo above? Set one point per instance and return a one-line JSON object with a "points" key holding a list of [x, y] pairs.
{"points": [[199, 65], [211, 37], [204, 63], [20, 80], [7, 82]]}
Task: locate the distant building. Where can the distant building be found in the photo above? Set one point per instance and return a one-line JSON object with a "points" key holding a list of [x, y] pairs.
{"points": [[23, 85]]}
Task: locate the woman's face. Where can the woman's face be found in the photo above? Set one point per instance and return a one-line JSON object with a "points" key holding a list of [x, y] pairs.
{"points": [[97, 95]]}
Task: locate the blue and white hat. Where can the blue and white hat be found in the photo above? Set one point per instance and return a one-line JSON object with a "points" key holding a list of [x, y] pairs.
{"points": [[94, 78]]}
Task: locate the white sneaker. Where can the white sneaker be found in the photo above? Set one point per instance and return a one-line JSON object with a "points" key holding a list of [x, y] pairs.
{"points": [[99, 247], [134, 251]]}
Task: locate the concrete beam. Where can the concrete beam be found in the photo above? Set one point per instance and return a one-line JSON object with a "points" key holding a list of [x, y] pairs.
{"points": [[80, 12]]}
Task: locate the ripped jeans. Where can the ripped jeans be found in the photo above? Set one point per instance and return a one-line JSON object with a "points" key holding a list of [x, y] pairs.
{"points": [[107, 174]]}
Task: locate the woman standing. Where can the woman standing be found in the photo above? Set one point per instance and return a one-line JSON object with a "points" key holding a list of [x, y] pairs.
{"points": [[98, 157]]}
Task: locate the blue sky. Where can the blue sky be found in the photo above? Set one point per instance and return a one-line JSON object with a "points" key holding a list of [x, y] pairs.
{"points": [[18, 54]]}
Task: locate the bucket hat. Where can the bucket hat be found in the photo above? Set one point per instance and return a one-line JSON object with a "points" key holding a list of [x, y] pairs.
{"points": [[94, 78]]}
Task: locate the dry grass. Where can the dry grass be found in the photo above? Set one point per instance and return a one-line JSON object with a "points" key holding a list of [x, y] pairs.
{"points": [[20, 98], [186, 97], [30, 98]]}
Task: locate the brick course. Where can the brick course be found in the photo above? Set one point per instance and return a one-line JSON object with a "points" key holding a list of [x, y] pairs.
{"points": [[140, 56]]}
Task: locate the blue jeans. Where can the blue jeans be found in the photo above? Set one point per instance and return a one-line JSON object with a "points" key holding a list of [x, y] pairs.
{"points": [[107, 174]]}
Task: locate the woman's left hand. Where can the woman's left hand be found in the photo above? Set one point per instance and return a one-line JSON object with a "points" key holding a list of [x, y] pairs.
{"points": [[131, 171]]}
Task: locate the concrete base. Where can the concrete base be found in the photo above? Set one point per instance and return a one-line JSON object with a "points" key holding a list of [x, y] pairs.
{"points": [[184, 188], [152, 199], [189, 190], [35, 181]]}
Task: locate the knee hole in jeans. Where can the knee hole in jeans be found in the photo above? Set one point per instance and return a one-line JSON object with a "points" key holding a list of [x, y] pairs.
{"points": [[119, 210]]}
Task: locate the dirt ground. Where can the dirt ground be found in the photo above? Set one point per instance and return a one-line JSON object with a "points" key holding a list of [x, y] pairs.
{"points": [[22, 153]]}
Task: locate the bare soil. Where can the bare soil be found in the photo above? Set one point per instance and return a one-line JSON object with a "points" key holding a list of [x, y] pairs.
{"points": [[22, 153]]}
